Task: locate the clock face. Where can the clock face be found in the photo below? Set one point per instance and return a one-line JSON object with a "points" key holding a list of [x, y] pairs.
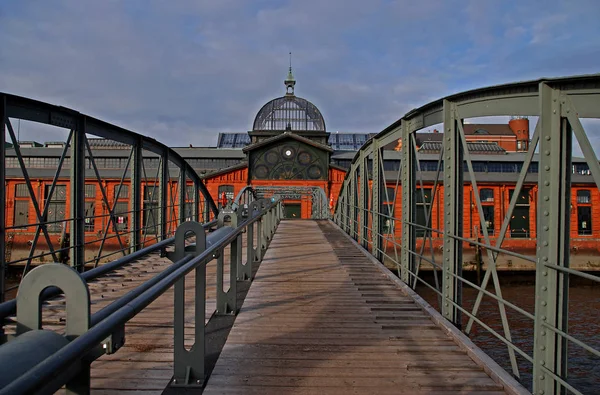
{"points": [[291, 160]]}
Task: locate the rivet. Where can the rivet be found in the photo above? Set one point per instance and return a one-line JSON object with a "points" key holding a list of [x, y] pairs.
{"points": [[447, 259], [447, 303], [545, 243], [546, 213], [547, 168], [546, 228], [448, 139], [547, 152], [447, 277], [546, 183], [447, 249], [544, 288], [544, 273], [543, 363], [543, 333], [447, 287], [542, 377], [542, 348], [543, 319], [542, 392], [546, 198], [545, 259], [547, 138]]}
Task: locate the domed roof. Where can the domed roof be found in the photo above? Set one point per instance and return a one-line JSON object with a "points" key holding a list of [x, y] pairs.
{"points": [[289, 113]]}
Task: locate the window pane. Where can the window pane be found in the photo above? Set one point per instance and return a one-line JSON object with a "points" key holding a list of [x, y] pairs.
{"points": [[488, 216], [123, 193], [90, 191], [486, 195], [89, 216], [584, 196], [21, 190], [519, 223], [121, 215], [21, 212], [425, 195], [584, 220]]}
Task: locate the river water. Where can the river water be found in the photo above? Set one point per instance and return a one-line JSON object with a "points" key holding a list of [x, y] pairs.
{"points": [[584, 325]]}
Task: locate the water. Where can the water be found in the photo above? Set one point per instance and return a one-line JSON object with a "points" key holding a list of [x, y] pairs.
{"points": [[584, 325]]}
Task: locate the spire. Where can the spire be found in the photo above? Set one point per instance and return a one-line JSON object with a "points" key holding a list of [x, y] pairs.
{"points": [[290, 81]]}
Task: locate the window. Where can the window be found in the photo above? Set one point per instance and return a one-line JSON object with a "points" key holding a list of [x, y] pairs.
{"points": [[584, 196], [151, 215], [228, 190], [423, 202], [123, 192], [90, 207], [189, 202], [389, 194], [386, 221], [486, 195], [584, 220], [519, 221], [488, 217], [584, 212], [21, 212], [121, 215], [56, 207]]}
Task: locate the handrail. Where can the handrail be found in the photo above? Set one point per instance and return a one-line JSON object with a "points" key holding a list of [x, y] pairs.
{"points": [[42, 377], [9, 308]]}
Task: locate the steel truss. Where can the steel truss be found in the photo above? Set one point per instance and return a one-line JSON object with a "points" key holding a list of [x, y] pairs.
{"points": [[560, 104], [168, 194]]}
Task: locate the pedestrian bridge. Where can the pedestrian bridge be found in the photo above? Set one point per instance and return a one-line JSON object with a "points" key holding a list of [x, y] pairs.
{"points": [[238, 301]]}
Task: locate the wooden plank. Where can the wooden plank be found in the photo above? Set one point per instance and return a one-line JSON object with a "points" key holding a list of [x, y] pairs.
{"points": [[335, 325]]}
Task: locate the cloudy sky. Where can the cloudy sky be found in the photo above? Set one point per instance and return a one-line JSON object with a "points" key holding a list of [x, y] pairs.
{"points": [[181, 71]]}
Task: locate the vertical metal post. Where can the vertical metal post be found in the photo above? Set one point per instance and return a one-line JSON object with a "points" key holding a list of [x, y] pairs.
{"points": [[196, 197], [163, 197], [182, 193], [363, 197], [3, 263], [408, 204], [353, 203], [249, 250], [77, 184], [135, 197], [258, 253], [554, 182], [378, 184], [453, 214]]}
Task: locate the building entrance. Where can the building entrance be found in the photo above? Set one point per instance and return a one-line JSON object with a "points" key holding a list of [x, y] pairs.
{"points": [[313, 198], [292, 211]]}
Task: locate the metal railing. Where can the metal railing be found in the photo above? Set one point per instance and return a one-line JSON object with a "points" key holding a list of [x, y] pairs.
{"points": [[366, 210], [89, 337], [77, 212]]}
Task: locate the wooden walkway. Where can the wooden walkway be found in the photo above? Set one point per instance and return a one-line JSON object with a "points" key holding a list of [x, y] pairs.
{"points": [[321, 318]]}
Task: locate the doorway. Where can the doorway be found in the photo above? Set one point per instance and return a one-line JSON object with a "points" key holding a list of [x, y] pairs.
{"points": [[292, 211]]}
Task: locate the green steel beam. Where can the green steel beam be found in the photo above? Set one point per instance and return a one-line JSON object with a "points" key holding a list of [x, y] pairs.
{"points": [[453, 209], [77, 186], [376, 203], [135, 197], [408, 166], [551, 288], [3, 234]]}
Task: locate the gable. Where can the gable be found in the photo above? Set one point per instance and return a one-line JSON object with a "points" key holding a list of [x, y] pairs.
{"points": [[288, 159]]}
